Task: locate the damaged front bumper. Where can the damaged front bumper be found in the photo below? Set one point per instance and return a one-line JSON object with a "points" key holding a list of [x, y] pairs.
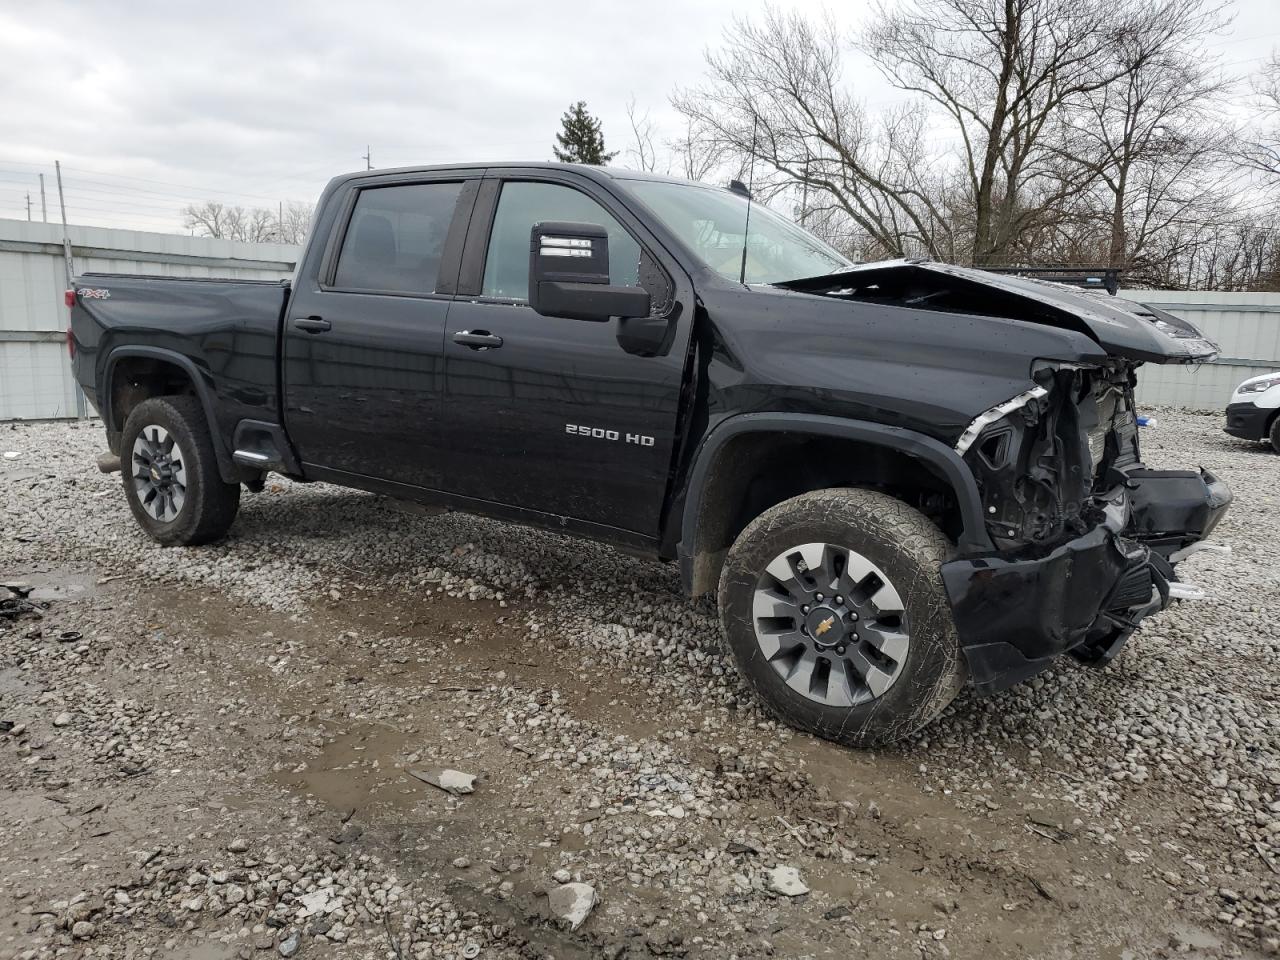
{"points": [[1014, 617]]}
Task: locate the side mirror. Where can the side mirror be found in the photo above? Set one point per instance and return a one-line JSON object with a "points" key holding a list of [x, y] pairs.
{"points": [[569, 275]]}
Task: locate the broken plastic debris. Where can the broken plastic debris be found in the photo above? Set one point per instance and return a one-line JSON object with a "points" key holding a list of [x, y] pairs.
{"points": [[786, 881], [571, 902], [451, 781], [320, 900], [1186, 591]]}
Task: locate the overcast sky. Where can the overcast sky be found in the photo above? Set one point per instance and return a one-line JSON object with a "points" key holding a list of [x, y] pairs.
{"points": [[152, 105]]}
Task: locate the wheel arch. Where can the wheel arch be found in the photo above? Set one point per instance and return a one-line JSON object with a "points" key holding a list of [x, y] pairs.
{"points": [[718, 489], [114, 412]]}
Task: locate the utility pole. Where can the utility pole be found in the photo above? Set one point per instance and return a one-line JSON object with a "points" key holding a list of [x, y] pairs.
{"points": [[44, 209], [28, 206], [66, 239], [280, 221], [367, 158]]}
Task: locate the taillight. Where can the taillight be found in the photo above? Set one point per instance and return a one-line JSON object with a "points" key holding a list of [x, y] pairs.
{"points": [[69, 298]]}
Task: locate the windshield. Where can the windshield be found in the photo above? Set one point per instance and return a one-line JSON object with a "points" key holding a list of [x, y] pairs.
{"points": [[712, 222]]}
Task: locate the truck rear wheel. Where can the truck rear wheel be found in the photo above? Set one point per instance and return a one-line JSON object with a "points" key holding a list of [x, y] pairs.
{"points": [[833, 606], [170, 472]]}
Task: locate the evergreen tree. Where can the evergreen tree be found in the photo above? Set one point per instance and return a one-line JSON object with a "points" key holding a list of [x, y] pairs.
{"points": [[580, 139]]}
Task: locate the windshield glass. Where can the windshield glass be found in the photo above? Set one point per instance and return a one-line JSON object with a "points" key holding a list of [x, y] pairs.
{"points": [[712, 222]]}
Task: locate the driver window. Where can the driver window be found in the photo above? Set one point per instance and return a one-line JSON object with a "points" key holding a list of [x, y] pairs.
{"points": [[521, 205]]}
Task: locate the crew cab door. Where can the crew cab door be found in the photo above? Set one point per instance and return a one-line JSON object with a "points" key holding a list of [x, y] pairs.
{"points": [[364, 336], [548, 414]]}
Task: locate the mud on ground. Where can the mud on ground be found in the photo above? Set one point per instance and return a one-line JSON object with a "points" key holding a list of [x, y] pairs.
{"points": [[206, 753]]}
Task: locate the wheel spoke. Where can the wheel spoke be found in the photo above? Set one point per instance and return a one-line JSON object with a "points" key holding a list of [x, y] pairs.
{"points": [[771, 605], [783, 571], [780, 645], [890, 641], [875, 677], [886, 599], [856, 571], [800, 675]]}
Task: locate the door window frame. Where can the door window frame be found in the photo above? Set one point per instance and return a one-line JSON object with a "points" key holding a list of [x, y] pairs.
{"points": [[475, 251], [450, 253]]}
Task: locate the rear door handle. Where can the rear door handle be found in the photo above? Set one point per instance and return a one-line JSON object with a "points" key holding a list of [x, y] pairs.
{"points": [[477, 339], [312, 324]]}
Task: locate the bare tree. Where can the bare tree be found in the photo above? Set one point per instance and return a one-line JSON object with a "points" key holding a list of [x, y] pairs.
{"points": [[642, 152], [209, 219], [1261, 145], [289, 224], [775, 93], [1149, 138], [294, 222], [700, 155], [1003, 72]]}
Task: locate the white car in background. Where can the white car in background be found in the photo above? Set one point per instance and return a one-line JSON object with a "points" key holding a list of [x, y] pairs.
{"points": [[1254, 410]]}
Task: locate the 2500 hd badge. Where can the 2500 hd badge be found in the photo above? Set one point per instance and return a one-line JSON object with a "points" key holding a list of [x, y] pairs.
{"points": [[602, 433]]}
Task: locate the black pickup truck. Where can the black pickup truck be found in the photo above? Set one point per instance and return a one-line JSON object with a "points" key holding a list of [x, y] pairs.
{"points": [[897, 477]]}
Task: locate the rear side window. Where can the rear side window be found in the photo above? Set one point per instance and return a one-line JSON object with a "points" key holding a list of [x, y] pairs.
{"points": [[396, 238], [520, 206]]}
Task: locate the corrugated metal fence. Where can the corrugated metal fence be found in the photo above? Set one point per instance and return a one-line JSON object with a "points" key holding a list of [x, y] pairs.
{"points": [[35, 378], [1246, 326]]}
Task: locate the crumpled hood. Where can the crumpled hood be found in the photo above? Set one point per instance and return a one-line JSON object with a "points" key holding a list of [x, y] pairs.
{"points": [[1123, 328]]}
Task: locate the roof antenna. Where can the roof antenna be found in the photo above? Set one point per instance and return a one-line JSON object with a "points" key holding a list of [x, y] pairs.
{"points": [[751, 183]]}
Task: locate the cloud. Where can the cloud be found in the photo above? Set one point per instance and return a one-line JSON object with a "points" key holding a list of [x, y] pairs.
{"points": [[255, 103]]}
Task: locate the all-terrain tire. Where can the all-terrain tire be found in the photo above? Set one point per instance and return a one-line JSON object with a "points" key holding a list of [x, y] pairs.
{"points": [[208, 504], [1275, 433], [903, 544]]}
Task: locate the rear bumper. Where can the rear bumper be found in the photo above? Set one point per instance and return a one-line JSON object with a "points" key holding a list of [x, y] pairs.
{"points": [[1247, 421], [1014, 617]]}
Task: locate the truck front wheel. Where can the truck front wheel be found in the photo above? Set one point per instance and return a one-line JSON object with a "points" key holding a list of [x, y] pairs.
{"points": [[833, 606], [170, 472]]}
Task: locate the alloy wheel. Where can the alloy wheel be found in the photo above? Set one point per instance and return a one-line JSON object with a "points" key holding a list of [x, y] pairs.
{"points": [[159, 476], [831, 624]]}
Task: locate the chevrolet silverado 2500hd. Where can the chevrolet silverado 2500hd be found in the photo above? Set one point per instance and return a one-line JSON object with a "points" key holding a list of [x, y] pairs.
{"points": [[896, 477]]}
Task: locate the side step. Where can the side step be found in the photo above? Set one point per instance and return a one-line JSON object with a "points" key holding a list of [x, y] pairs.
{"points": [[260, 445], [255, 459]]}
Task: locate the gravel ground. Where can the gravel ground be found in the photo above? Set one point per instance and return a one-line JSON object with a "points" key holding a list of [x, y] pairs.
{"points": [[209, 752]]}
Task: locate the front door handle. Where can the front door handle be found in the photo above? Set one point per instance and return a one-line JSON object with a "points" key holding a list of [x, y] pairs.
{"points": [[477, 339], [312, 324]]}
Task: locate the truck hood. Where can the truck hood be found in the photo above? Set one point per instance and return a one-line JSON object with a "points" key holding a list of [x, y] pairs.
{"points": [[1124, 328]]}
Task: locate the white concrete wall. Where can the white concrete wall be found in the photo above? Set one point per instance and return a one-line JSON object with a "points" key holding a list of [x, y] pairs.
{"points": [[35, 377]]}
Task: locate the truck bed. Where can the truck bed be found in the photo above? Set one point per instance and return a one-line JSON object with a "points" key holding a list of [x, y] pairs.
{"points": [[224, 332]]}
